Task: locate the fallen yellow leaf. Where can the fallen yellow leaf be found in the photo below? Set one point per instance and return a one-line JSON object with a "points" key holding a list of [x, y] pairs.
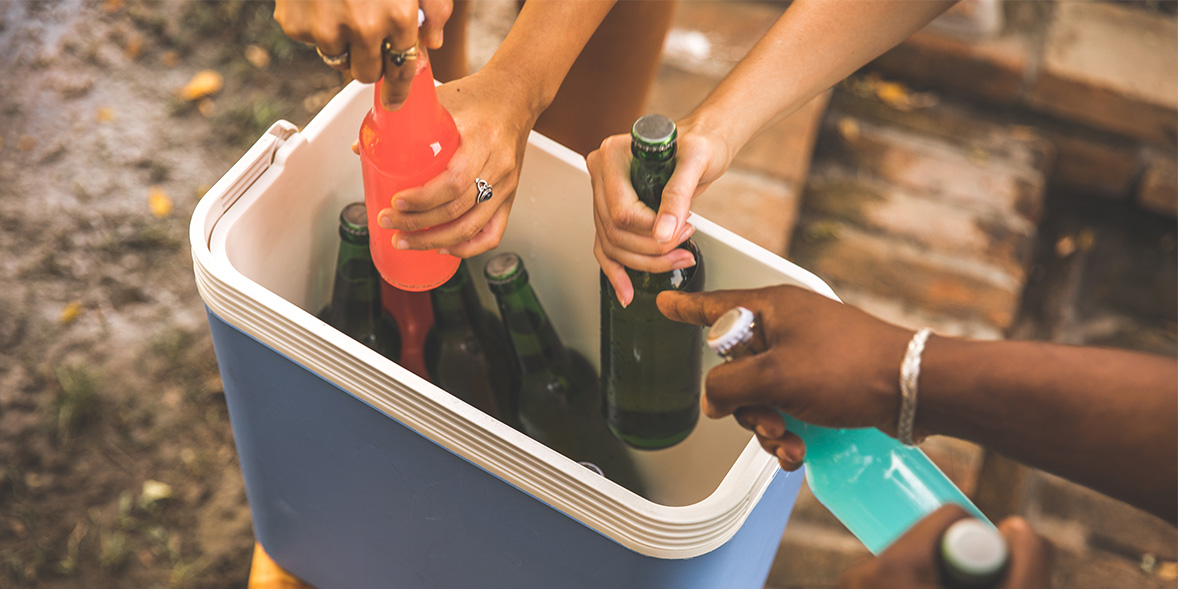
{"points": [[134, 47], [257, 56], [70, 312], [105, 114], [893, 94], [159, 202], [204, 83], [849, 129], [1168, 571]]}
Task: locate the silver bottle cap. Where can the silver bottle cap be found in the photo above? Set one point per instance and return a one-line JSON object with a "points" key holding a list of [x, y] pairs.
{"points": [[973, 549], [733, 328]]}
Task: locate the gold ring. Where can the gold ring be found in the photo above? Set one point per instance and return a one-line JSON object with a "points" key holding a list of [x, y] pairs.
{"points": [[399, 57], [334, 61]]}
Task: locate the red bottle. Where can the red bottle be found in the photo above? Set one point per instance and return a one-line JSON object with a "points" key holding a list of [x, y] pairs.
{"points": [[414, 313], [404, 149]]}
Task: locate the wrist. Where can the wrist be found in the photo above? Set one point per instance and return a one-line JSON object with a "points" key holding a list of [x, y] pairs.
{"points": [[514, 91]]}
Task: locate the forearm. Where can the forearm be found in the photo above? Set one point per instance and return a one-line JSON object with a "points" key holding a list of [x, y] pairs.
{"points": [[1104, 418], [814, 45], [543, 44]]}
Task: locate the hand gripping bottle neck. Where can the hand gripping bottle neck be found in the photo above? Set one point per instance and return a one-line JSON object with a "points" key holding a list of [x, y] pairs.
{"points": [[404, 149], [876, 486]]}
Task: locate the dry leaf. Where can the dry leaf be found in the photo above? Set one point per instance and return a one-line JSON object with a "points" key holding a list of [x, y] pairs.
{"points": [[105, 114], [154, 492], [206, 107], [169, 59], [112, 6], [1167, 571], [26, 142], [159, 202], [134, 47], [204, 83], [893, 94], [849, 129], [1065, 246], [257, 56], [70, 312]]}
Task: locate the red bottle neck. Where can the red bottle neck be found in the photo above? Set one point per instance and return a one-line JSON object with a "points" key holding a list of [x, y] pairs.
{"points": [[422, 100]]}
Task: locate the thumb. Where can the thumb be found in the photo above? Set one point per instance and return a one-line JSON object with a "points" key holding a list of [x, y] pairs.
{"points": [[702, 308], [677, 195]]}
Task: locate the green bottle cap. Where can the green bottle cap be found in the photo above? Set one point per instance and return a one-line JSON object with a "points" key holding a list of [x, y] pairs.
{"points": [[504, 269], [653, 134], [353, 222]]}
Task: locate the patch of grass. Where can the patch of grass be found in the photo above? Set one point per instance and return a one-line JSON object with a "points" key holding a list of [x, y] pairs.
{"points": [[76, 402], [184, 572], [244, 122], [114, 550]]}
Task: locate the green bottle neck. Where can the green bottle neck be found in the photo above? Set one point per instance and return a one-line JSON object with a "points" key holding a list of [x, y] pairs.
{"points": [[649, 173], [353, 262], [537, 346], [455, 302]]}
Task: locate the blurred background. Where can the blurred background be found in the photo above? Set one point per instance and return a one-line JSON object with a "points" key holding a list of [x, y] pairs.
{"points": [[1008, 172]]}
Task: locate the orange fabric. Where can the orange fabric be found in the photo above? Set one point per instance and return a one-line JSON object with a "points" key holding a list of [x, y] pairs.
{"points": [[266, 574]]}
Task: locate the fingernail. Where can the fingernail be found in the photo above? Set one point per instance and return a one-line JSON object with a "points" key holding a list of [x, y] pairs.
{"points": [[443, 251], [401, 205], [393, 105], [402, 244], [684, 263], [664, 229], [384, 222], [761, 431]]}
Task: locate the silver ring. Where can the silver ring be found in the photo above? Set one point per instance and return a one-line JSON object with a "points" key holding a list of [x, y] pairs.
{"points": [[399, 57], [484, 189], [334, 61]]}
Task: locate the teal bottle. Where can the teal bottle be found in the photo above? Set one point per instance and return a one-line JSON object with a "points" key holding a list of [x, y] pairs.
{"points": [[355, 307], [876, 486], [557, 398], [466, 352], [650, 365]]}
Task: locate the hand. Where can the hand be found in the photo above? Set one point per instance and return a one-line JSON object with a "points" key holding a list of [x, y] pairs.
{"points": [[821, 361], [360, 28], [629, 234], [911, 562], [494, 125]]}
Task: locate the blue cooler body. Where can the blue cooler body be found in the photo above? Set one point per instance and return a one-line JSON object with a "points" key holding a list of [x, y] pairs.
{"points": [[361, 474], [345, 496]]}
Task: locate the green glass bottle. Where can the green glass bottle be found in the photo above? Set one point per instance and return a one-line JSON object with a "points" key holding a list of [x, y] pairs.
{"points": [[466, 353], [558, 392], [650, 365], [355, 306]]}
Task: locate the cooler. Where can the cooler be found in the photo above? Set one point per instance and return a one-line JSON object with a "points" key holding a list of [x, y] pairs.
{"points": [[361, 474]]}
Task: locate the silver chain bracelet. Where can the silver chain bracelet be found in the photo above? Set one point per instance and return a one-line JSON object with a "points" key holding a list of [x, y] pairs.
{"points": [[909, 375]]}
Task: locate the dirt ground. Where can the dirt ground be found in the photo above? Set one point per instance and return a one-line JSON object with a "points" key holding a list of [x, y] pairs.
{"points": [[117, 465]]}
